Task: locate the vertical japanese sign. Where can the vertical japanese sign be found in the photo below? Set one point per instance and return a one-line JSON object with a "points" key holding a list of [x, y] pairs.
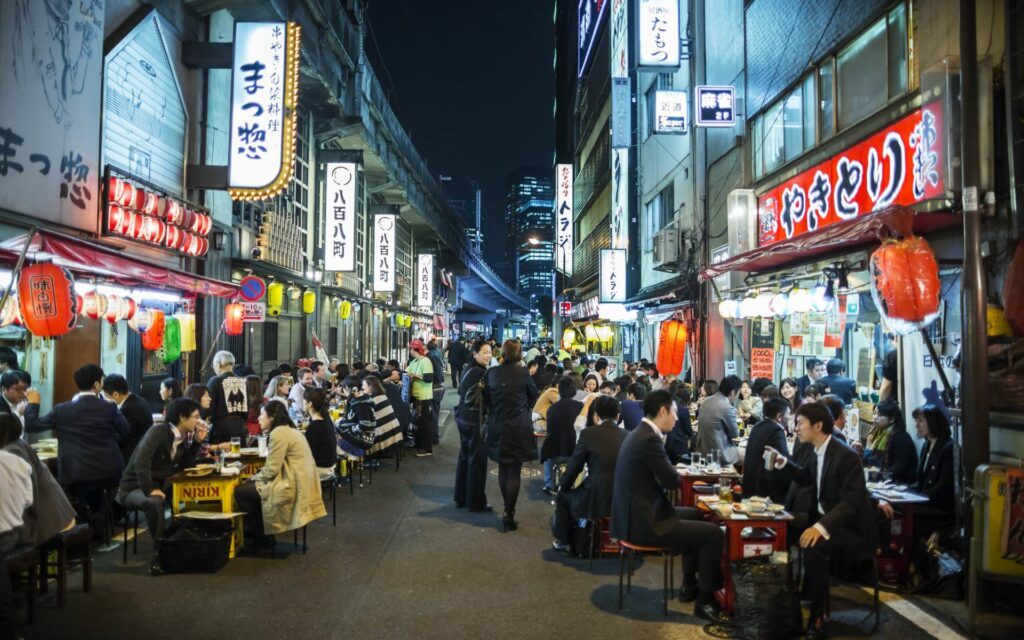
{"points": [[621, 105], [658, 34], [613, 275], [264, 90], [51, 61], [563, 218], [670, 112], [425, 280], [620, 156], [591, 15], [384, 253], [716, 106], [340, 217]]}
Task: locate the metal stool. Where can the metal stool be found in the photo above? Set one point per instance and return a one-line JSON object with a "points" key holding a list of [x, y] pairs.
{"points": [[296, 539], [77, 540], [135, 535], [24, 560], [330, 484], [628, 549]]}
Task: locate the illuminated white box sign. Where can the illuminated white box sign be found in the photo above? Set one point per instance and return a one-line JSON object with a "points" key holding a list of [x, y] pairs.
{"points": [[715, 106], [384, 253], [425, 280], [670, 112], [264, 89], [613, 275], [622, 123], [340, 217], [563, 217], [658, 33]]}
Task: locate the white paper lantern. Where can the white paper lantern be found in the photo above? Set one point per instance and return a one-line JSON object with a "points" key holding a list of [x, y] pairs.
{"points": [[748, 308], [764, 305], [780, 305], [819, 302], [799, 300], [728, 309]]}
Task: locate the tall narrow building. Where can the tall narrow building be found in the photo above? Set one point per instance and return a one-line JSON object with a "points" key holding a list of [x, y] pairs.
{"points": [[529, 224]]}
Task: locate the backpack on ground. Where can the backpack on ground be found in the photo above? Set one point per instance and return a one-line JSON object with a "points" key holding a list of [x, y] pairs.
{"points": [[767, 605]]}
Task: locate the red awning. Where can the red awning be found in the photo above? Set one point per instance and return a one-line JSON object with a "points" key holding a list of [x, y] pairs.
{"points": [[830, 241], [89, 258]]}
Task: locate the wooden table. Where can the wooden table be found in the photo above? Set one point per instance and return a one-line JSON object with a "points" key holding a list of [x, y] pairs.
{"points": [[737, 547], [686, 496], [902, 530]]}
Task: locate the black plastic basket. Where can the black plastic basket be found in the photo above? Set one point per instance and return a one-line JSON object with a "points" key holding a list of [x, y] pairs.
{"points": [[195, 546]]}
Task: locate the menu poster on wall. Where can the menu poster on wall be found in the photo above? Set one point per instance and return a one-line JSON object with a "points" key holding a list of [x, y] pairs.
{"points": [[762, 350], [835, 324]]}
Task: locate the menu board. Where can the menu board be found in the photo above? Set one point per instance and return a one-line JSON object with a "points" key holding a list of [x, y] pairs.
{"points": [[762, 349]]}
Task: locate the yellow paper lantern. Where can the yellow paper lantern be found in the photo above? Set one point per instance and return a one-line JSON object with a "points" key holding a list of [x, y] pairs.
{"points": [[308, 302], [187, 324], [345, 309], [568, 338], [275, 295], [273, 311]]}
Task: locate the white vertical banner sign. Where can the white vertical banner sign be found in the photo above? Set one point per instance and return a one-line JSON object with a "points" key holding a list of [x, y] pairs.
{"points": [[620, 157], [613, 275], [563, 217], [658, 34], [258, 87], [384, 253], [425, 280], [340, 217]]}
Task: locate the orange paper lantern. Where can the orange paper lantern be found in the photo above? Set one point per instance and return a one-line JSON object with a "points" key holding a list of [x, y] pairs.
{"points": [[46, 295], [671, 347], [233, 324], [153, 337], [905, 283]]}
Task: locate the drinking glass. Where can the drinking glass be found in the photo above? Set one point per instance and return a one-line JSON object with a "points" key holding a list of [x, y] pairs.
{"points": [[236, 446], [698, 461]]}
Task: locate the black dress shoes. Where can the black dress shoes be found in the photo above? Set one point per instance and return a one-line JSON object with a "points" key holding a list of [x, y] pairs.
{"points": [[688, 594], [156, 569], [711, 613], [484, 509], [816, 629]]}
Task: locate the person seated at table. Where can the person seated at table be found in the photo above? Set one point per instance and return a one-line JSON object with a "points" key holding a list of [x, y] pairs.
{"points": [[164, 450], [15, 499], [199, 394], [389, 430], [642, 513], [749, 405], [606, 388], [170, 389], [278, 389], [357, 429], [935, 474], [285, 494], [706, 389], [548, 396], [51, 512], [889, 446], [320, 435], [133, 407], [813, 393], [597, 449], [561, 438], [769, 432], [841, 520], [837, 382], [632, 407], [677, 443], [716, 423]]}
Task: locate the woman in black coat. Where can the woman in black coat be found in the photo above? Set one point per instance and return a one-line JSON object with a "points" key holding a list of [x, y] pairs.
{"points": [[471, 469], [900, 454], [935, 477], [510, 395]]}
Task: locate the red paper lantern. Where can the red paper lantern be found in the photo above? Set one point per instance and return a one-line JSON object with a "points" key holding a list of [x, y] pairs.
{"points": [[48, 304], [671, 347], [233, 324], [905, 282], [94, 305], [126, 195], [113, 313], [149, 204], [128, 308], [172, 236], [153, 337], [153, 230]]}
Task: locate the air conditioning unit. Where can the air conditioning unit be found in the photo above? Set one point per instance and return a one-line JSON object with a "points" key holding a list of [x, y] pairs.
{"points": [[666, 250], [741, 205]]}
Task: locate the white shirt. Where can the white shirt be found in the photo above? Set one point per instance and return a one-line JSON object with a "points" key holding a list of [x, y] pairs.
{"points": [[82, 394], [16, 480], [178, 438], [820, 453]]}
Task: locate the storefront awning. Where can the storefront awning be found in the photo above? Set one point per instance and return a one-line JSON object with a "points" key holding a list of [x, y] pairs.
{"points": [[88, 258], [832, 240]]}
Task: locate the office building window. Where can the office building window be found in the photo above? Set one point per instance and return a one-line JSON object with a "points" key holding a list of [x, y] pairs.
{"points": [[658, 213]]}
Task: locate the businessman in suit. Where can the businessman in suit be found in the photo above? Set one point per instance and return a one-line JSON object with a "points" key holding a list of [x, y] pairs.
{"points": [[597, 449], [642, 513], [841, 519], [837, 382], [134, 409], [14, 388], [633, 407], [758, 481], [164, 450]]}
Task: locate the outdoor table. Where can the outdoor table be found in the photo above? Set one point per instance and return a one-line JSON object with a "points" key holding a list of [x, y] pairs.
{"points": [[737, 546], [251, 461], [210, 488], [902, 528], [686, 497]]}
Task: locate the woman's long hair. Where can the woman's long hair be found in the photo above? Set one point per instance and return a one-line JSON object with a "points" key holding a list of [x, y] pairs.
{"points": [[798, 395], [272, 386], [278, 414]]}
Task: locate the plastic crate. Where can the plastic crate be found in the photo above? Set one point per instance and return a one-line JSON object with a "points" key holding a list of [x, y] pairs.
{"points": [[195, 546]]}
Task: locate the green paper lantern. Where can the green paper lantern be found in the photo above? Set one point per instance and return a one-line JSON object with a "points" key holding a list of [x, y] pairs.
{"points": [[172, 340]]}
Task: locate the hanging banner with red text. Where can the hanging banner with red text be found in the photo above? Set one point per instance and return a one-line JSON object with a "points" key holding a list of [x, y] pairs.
{"points": [[902, 164]]}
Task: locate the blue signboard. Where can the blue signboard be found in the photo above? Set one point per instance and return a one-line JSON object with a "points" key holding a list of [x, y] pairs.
{"points": [[591, 17]]}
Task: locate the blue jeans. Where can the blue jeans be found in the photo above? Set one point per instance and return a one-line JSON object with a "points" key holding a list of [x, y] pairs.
{"points": [[549, 472]]}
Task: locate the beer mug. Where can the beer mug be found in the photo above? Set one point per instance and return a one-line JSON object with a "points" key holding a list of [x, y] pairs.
{"points": [[769, 459], [236, 446]]}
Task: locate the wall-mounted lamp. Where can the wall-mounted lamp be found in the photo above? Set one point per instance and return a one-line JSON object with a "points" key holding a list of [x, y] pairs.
{"points": [[220, 240]]}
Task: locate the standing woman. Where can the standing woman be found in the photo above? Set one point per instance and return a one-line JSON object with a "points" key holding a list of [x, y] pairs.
{"points": [[510, 396], [471, 469]]}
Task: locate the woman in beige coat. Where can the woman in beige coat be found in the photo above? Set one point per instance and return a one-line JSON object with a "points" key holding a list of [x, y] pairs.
{"points": [[284, 494]]}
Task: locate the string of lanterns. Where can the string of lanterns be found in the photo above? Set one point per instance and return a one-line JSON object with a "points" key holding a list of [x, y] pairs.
{"points": [[141, 214], [778, 304]]}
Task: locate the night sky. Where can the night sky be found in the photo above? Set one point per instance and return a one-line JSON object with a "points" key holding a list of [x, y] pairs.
{"points": [[473, 85]]}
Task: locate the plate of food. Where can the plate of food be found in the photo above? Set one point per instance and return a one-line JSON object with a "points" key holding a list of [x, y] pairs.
{"points": [[198, 472]]}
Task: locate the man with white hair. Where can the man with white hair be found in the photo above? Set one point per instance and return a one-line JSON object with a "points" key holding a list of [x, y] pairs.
{"points": [[229, 404]]}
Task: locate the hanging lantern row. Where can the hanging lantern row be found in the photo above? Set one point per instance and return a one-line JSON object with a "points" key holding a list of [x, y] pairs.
{"points": [[137, 213], [777, 304]]}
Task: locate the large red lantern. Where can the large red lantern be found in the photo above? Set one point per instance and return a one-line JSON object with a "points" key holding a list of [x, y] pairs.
{"points": [[153, 337], [905, 283], [233, 323], [671, 347], [46, 294]]}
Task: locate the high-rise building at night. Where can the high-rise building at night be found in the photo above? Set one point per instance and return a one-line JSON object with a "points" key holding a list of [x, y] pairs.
{"points": [[529, 224]]}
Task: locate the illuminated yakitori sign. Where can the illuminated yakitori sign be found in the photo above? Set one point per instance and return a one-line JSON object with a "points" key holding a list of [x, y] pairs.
{"points": [[340, 217], [563, 219], [264, 97], [425, 280], [384, 252]]}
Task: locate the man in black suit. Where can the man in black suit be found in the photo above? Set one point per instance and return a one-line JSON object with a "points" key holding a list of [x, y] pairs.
{"points": [[642, 513], [837, 382], [89, 430], [135, 410], [815, 371], [598, 449], [841, 519], [561, 438], [14, 387], [8, 360], [758, 481], [164, 450], [632, 407], [457, 357]]}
